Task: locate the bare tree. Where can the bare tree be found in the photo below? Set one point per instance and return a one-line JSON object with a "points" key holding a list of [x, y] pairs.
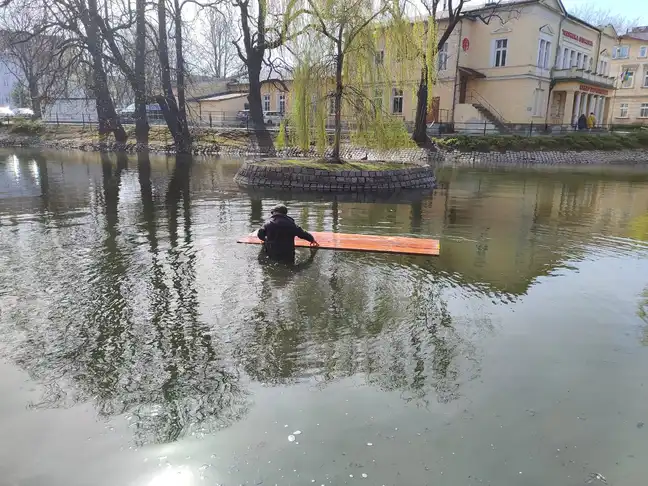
{"points": [[40, 61], [218, 29], [261, 32], [82, 23], [601, 16]]}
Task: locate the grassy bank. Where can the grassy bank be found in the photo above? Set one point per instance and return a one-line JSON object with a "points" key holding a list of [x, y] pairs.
{"points": [[575, 141], [324, 165], [158, 133], [240, 139]]}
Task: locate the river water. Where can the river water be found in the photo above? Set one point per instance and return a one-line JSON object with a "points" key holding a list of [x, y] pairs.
{"points": [[140, 345]]}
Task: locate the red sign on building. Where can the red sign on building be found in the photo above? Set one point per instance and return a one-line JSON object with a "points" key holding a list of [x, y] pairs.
{"points": [[593, 89], [577, 38]]}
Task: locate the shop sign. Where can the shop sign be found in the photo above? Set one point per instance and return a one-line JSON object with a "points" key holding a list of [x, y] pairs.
{"points": [[593, 89], [577, 38]]}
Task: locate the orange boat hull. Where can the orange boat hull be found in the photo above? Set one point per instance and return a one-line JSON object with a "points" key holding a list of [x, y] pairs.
{"points": [[374, 243]]}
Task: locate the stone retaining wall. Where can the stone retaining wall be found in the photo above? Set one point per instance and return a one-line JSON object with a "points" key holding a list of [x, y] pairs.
{"points": [[305, 178], [589, 157]]}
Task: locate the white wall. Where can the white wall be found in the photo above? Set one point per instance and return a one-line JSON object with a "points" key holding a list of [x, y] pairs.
{"points": [[7, 82], [71, 109]]}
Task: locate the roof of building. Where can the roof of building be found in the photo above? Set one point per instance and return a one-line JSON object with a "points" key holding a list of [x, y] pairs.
{"points": [[224, 96], [638, 33]]}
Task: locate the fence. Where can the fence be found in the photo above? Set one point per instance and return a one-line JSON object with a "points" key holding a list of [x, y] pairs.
{"points": [[233, 121], [483, 128]]}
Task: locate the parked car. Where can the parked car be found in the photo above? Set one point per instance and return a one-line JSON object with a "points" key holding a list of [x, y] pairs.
{"points": [[242, 117], [6, 112], [23, 112], [273, 117], [153, 112]]}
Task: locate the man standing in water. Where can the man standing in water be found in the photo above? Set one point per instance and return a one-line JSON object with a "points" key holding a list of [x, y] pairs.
{"points": [[278, 235]]}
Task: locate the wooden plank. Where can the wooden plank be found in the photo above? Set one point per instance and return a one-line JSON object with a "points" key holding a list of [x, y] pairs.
{"points": [[375, 243]]}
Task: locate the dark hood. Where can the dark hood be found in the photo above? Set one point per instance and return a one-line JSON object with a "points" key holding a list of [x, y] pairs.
{"points": [[282, 219]]}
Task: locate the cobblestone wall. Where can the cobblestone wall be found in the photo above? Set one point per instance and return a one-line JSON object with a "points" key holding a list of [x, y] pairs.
{"points": [[589, 157], [305, 178]]}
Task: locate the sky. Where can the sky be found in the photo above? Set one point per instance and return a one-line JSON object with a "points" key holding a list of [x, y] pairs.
{"points": [[628, 8]]}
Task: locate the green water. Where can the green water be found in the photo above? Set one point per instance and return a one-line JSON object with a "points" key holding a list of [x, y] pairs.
{"points": [[140, 345]]}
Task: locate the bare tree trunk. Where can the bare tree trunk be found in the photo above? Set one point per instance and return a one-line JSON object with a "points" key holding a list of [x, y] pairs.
{"points": [[141, 119], [263, 137], [335, 157], [167, 101], [108, 119], [180, 78], [420, 126], [35, 96]]}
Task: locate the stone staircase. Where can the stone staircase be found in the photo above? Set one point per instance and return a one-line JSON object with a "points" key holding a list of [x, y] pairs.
{"points": [[492, 118]]}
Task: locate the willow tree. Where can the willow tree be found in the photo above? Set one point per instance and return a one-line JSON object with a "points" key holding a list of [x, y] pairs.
{"points": [[345, 26]]}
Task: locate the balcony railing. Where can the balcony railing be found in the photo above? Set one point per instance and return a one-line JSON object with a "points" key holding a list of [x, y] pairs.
{"points": [[583, 75]]}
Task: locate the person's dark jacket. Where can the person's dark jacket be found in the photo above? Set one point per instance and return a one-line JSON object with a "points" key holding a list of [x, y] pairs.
{"points": [[582, 122], [278, 234]]}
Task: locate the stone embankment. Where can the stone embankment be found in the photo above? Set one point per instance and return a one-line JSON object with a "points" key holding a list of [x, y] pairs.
{"points": [[410, 155], [286, 177]]}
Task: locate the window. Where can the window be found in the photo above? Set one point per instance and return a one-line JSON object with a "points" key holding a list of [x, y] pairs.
{"points": [[621, 52], [623, 110], [572, 59], [565, 60], [266, 102], [443, 57], [586, 64], [603, 68], [380, 58], [501, 48], [643, 113], [544, 52], [397, 101], [643, 51], [378, 99], [579, 61], [246, 106], [538, 102], [627, 79], [282, 102]]}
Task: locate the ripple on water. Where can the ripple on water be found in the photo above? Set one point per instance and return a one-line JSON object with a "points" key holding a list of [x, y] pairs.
{"points": [[126, 290]]}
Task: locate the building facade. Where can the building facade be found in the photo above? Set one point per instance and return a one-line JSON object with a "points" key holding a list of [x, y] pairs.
{"points": [[8, 82], [518, 62], [630, 68], [531, 63]]}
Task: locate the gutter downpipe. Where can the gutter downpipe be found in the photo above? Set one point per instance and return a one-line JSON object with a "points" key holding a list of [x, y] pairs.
{"points": [[454, 91]]}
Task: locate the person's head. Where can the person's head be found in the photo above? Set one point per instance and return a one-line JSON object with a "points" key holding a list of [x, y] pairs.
{"points": [[279, 209], [592, 113]]}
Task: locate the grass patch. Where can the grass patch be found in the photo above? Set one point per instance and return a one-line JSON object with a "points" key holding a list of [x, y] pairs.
{"points": [[574, 141], [25, 127], [324, 165]]}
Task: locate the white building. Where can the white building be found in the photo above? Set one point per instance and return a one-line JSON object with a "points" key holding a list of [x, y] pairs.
{"points": [[8, 81]]}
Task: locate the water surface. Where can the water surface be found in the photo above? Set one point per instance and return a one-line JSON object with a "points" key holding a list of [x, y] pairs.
{"points": [[140, 345]]}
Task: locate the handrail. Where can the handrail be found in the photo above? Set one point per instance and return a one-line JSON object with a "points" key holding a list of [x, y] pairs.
{"points": [[474, 95]]}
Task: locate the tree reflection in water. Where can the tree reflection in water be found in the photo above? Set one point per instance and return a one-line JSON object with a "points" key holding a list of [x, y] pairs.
{"points": [[132, 341], [400, 338]]}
